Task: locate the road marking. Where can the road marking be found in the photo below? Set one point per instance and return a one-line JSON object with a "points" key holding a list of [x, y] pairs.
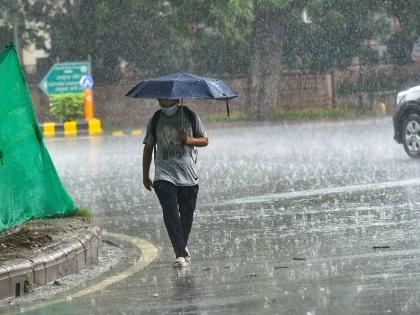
{"points": [[136, 132], [148, 255], [322, 191], [122, 133], [118, 133], [370, 254]]}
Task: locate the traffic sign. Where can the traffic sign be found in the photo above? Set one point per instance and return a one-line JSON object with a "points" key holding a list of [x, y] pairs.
{"points": [[65, 78], [87, 82]]}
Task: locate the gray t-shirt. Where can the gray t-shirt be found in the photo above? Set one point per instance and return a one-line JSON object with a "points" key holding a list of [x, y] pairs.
{"points": [[174, 162]]}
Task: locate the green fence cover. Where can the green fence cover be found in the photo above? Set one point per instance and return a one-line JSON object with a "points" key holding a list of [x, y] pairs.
{"points": [[29, 184]]}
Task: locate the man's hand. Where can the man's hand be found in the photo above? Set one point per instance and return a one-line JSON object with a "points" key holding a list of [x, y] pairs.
{"points": [[148, 183], [147, 159], [185, 137]]}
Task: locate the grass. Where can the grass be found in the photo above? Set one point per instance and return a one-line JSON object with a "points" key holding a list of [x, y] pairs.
{"points": [[238, 116], [316, 113], [298, 114], [84, 213]]}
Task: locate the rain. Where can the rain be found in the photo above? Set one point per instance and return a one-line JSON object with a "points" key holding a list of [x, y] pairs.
{"points": [[306, 205]]}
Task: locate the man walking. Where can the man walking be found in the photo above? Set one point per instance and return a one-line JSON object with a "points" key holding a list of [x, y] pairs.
{"points": [[172, 133]]}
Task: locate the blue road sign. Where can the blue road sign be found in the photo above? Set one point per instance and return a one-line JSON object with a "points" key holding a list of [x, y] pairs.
{"points": [[87, 82]]}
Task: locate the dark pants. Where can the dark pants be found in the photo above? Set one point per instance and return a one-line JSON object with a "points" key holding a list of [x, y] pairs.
{"points": [[178, 205]]}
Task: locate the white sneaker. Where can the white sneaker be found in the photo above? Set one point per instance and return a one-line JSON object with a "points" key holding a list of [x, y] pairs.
{"points": [[180, 262], [188, 257]]}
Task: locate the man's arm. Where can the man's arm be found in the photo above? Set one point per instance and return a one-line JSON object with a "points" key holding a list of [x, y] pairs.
{"points": [[196, 142], [199, 142], [147, 160]]}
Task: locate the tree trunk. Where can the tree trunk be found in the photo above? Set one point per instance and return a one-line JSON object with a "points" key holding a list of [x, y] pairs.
{"points": [[266, 61]]}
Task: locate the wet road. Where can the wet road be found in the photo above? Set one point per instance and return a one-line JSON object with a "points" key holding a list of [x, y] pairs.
{"points": [[287, 221]]}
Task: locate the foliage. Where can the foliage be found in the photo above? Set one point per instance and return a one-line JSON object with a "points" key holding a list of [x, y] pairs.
{"points": [[335, 36], [406, 28], [67, 107], [339, 30], [23, 15], [399, 46], [282, 4], [209, 37], [153, 37]]}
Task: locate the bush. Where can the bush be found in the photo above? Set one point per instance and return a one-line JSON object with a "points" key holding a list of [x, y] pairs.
{"points": [[84, 213], [67, 107]]}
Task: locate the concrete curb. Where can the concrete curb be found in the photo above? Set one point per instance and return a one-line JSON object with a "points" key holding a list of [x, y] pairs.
{"points": [[17, 276], [83, 128], [90, 127]]}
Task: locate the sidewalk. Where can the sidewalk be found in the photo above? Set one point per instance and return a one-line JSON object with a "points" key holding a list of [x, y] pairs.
{"points": [[44, 250]]}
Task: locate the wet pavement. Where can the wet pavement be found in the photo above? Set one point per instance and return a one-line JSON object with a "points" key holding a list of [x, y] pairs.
{"points": [[299, 218]]}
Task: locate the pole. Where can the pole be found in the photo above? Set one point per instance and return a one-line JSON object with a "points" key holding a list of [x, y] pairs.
{"points": [[89, 108], [182, 114]]}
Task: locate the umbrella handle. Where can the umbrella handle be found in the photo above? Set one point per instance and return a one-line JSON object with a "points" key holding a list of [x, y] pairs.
{"points": [[227, 107], [182, 114]]}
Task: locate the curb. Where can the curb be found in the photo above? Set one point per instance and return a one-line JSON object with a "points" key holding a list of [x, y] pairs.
{"points": [[90, 127], [18, 276]]}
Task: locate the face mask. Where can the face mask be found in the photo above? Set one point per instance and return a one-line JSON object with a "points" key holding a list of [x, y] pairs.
{"points": [[169, 111]]}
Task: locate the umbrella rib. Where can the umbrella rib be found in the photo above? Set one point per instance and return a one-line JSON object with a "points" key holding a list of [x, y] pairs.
{"points": [[173, 89], [209, 88]]}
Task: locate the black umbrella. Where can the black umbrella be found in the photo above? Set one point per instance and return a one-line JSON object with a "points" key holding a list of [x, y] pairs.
{"points": [[184, 86]]}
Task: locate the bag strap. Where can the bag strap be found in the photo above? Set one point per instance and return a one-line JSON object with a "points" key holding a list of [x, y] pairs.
{"points": [[153, 125], [193, 122], [191, 118]]}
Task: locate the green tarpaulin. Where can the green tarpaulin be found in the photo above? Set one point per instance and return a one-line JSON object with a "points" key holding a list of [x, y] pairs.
{"points": [[29, 184]]}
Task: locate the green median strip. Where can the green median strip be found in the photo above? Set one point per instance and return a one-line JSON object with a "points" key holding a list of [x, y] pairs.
{"points": [[316, 113], [297, 114]]}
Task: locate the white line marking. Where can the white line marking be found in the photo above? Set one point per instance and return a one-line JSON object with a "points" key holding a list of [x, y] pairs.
{"points": [[321, 191]]}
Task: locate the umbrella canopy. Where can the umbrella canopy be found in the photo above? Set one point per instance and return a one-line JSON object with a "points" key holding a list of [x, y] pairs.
{"points": [[183, 86]]}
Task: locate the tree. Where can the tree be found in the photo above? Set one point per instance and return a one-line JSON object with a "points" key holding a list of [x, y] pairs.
{"points": [[153, 36], [75, 32], [338, 32], [271, 21], [19, 19], [215, 34], [406, 28]]}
